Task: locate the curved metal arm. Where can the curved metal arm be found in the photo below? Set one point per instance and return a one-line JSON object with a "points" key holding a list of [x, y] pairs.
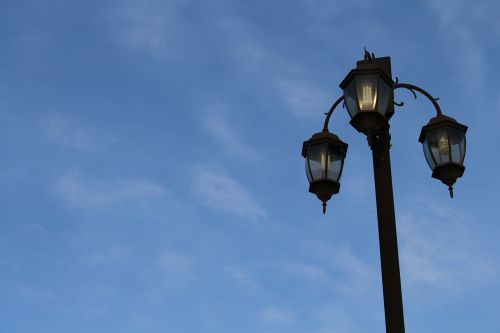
{"points": [[329, 114], [412, 88]]}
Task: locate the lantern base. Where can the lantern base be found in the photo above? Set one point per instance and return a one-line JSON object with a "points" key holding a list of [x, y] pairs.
{"points": [[324, 189], [448, 174], [368, 122]]}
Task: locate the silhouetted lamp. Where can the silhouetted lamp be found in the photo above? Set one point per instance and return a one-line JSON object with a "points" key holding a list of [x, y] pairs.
{"points": [[443, 139], [368, 94], [324, 154]]}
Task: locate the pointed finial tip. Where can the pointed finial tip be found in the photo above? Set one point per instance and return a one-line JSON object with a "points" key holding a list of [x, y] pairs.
{"points": [[450, 188], [324, 207], [368, 56]]}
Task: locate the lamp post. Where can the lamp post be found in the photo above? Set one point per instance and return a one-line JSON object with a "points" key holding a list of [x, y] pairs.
{"points": [[369, 98]]}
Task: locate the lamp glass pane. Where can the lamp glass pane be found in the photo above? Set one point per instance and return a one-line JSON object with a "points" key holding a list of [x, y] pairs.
{"points": [[439, 145], [317, 158], [428, 155], [336, 161], [367, 92], [350, 99], [308, 171], [384, 97], [457, 144]]}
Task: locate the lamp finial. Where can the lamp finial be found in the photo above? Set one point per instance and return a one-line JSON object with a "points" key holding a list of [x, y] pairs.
{"points": [[368, 56]]}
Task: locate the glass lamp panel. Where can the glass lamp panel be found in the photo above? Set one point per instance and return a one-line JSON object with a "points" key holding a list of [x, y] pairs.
{"points": [[439, 145], [350, 99], [367, 92], [335, 165], [457, 144], [308, 171], [384, 97], [317, 158], [463, 148], [428, 154]]}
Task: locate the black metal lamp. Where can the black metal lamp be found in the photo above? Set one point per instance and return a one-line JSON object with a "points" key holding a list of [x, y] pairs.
{"points": [[324, 153], [443, 139], [368, 93]]}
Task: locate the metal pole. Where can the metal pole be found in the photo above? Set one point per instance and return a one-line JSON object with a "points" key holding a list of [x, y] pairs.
{"points": [[380, 143]]}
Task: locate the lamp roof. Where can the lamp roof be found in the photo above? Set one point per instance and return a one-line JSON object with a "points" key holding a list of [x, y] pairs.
{"points": [[438, 122], [320, 137], [380, 66]]}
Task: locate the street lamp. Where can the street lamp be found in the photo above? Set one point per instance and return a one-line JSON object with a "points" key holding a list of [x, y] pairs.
{"points": [[324, 153], [369, 98], [443, 139], [368, 94]]}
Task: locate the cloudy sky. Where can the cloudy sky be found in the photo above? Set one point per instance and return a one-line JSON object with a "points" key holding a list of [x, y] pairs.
{"points": [[151, 177]]}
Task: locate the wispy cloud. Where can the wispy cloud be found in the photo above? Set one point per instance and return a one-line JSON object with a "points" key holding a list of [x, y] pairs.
{"points": [[277, 316], [109, 256], [359, 185], [169, 271], [305, 271], [356, 278], [242, 277], [177, 269], [303, 97], [36, 295], [90, 192], [150, 25], [74, 134], [459, 21], [94, 299], [289, 79], [439, 252], [220, 192], [334, 319], [225, 134]]}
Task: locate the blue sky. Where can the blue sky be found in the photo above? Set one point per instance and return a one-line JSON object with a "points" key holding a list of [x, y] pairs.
{"points": [[151, 177]]}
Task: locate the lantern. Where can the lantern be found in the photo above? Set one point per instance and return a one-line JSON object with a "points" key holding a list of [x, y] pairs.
{"points": [[443, 140], [368, 94], [324, 153]]}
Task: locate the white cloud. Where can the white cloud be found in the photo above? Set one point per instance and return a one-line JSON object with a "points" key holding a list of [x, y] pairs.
{"points": [[74, 134], [88, 192], [242, 277], [36, 295], [169, 272], [223, 133], [109, 256], [290, 80], [172, 262], [220, 192], [459, 20], [176, 269], [242, 47], [357, 278], [94, 299], [334, 319], [277, 316], [359, 185], [344, 273], [439, 252], [309, 272], [150, 25], [302, 97]]}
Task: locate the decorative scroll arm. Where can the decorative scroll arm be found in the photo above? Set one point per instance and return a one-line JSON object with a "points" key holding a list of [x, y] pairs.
{"points": [[329, 114], [412, 88]]}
